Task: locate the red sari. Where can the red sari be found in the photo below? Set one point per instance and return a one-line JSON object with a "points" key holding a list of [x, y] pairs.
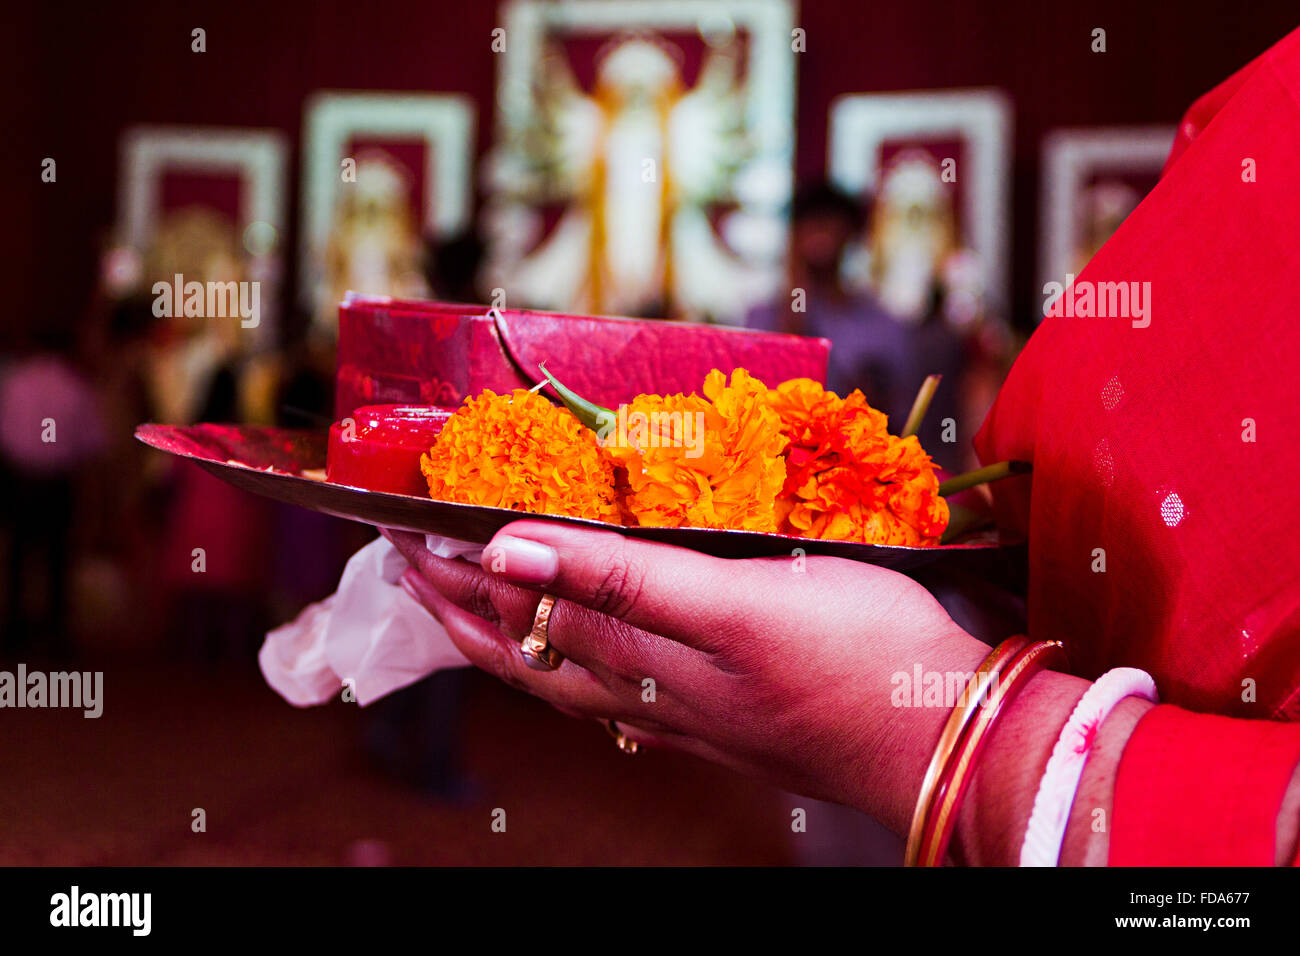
{"points": [[1164, 525]]}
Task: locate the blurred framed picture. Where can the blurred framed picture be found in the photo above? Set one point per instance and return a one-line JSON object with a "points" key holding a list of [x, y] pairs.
{"points": [[202, 220], [383, 173], [644, 155], [1092, 180], [935, 169], [212, 186]]}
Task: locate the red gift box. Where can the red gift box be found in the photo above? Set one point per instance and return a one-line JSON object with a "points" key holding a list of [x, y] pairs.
{"points": [[396, 351]]}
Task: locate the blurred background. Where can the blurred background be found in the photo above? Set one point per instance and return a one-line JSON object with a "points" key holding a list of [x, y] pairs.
{"points": [[901, 178]]}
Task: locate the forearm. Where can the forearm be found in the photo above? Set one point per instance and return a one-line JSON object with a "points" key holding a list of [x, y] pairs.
{"points": [[902, 752], [996, 812], [996, 809], [1087, 836], [994, 815]]}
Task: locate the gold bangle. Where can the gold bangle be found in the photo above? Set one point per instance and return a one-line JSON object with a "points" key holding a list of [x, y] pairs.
{"points": [[953, 786], [958, 720]]}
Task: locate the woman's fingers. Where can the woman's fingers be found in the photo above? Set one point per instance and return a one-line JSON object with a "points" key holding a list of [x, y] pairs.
{"points": [[470, 588], [570, 688], [608, 647], [697, 600]]}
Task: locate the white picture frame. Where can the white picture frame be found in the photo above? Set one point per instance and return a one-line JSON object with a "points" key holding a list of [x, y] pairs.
{"points": [[147, 152], [1069, 158], [446, 121], [259, 157], [983, 118]]}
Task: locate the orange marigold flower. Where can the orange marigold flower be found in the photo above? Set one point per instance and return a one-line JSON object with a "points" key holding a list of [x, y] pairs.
{"points": [[847, 477], [519, 451], [711, 462]]}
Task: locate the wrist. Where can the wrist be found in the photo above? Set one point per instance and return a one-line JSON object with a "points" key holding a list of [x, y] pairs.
{"points": [[995, 813], [903, 734], [1087, 837]]}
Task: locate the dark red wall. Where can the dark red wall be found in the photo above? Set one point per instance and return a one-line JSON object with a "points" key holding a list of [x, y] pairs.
{"points": [[89, 70]]}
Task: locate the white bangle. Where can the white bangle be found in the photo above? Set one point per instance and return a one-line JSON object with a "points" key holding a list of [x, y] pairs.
{"points": [[1051, 813]]}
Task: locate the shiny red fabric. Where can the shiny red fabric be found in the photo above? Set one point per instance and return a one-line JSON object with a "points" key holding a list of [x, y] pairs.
{"points": [[1161, 535]]}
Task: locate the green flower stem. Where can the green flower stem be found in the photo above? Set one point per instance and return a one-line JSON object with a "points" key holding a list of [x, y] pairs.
{"points": [[920, 406], [995, 472], [590, 414]]}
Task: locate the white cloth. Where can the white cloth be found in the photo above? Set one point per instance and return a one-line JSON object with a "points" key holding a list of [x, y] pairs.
{"points": [[370, 633]]}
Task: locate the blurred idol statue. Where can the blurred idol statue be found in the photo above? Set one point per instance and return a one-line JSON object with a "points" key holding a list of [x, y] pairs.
{"points": [[374, 244], [916, 253], [632, 164]]}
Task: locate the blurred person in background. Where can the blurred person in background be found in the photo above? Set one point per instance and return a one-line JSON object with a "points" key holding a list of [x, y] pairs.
{"points": [[870, 348], [931, 282], [120, 526], [928, 283], [50, 429], [209, 545], [374, 245], [880, 350]]}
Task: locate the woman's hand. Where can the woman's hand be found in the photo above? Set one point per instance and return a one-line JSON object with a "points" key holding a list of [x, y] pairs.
{"points": [[780, 667]]}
